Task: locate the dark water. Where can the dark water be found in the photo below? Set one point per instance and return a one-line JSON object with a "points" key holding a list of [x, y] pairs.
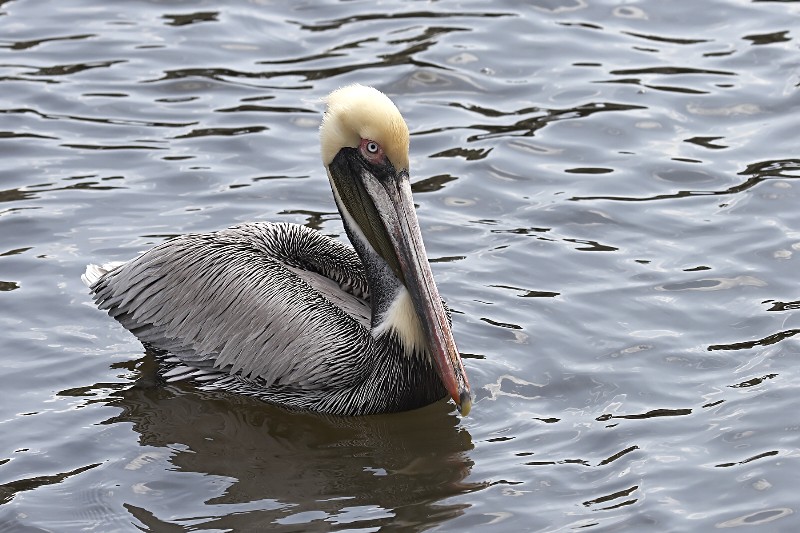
{"points": [[609, 193]]}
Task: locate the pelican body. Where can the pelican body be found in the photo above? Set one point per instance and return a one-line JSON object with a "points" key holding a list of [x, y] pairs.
{"points": [[290, 316]]}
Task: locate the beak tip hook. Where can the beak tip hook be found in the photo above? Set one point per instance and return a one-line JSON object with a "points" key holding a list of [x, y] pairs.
{"points": [[464, 403]]}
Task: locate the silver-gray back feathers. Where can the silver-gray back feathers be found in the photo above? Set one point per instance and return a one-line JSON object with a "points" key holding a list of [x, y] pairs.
{"points": [[278, 311]]}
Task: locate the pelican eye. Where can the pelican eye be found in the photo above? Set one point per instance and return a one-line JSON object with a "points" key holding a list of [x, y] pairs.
{"points": [[372, 152]]}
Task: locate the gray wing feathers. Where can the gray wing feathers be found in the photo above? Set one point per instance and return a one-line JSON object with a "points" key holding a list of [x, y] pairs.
{"points": [[258, 300], [349, 303]]}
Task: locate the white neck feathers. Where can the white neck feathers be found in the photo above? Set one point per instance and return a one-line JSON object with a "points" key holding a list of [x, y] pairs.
{"points": [[401, 319]]}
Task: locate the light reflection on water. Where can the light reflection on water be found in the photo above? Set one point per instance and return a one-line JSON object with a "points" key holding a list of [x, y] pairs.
{"points": [[607, 193]]}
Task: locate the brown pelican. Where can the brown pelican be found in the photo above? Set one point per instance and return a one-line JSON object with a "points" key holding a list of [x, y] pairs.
{"points": [[285, 314]]}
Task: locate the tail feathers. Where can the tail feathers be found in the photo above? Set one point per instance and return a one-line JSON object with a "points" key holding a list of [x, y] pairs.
{"points": [[95, 272]]}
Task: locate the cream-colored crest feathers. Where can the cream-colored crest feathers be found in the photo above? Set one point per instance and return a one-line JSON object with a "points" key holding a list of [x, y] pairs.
{"points": [[358, 112]]}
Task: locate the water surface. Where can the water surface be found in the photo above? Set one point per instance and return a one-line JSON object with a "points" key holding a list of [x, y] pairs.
{"points": [[608, 192]]}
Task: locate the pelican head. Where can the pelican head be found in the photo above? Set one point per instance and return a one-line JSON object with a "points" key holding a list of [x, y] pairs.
{"points": [[365, 151]]}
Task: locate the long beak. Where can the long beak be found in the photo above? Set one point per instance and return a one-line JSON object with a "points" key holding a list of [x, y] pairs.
{"points": [[380, 203], [407, 242]]}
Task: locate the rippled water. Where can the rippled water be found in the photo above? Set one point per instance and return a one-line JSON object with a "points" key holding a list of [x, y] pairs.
{"points": [[608, 192]]}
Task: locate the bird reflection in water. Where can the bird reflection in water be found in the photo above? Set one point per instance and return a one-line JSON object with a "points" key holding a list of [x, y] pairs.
{"points": [[403, 463]]}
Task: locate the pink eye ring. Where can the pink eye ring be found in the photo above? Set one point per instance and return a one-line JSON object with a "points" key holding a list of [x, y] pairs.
{"points": [[372, 151]]}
